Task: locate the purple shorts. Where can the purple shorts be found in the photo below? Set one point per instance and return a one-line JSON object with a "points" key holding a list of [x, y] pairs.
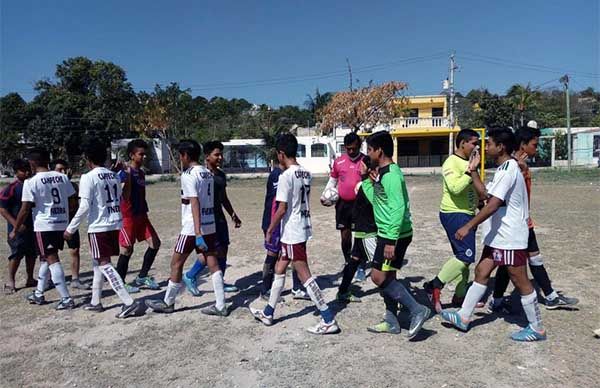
{"points": [[274, 245]]}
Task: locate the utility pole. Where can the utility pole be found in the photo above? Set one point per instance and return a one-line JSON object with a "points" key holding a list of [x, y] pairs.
{"points": [[565, 80], [453, 67], [350, 73]]}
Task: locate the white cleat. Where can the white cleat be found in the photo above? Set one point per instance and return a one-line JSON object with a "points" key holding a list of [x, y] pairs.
{"points": [[323, 328], [259, 315]]}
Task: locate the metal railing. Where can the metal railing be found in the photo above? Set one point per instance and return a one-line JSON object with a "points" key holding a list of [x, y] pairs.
{"points": [[420, 122]]}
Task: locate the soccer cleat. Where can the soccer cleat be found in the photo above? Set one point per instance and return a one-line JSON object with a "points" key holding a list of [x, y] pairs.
{"points": [[159, 306], [435, 295], [65, 304], [417, 320], [455, 320], [146, 282], [191, 284], [259, 315], [76, 283], [561, 301], [34, 298], [323, 328], [213, 310], [230, 288], [300, 294], [528, 334], [347, 297], [503, 307], [131, 289], [96, 308], [384, 327], [361, 275], [129, 311]]}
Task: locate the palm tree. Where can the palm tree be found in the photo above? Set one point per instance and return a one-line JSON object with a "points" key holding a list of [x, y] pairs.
{"points": [[522, 99]]}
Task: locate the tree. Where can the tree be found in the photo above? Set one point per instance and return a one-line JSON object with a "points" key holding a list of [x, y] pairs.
{"points": [[14, 119], [522, 98], [317, 103], [362, 109]]}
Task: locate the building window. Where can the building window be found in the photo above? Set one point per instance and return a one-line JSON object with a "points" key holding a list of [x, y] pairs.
{"points": [[318, 150], [437, 112], [408, 147], [301, 151], [413, 112]]}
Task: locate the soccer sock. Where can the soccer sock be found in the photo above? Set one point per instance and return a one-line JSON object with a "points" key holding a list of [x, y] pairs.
{"points": [[193, 272], [451, 269], [122, 266], [116, 283], [97, 283], [501, 283], [317, 297], [532, 310], [276, 289], [349, 271], [173, 290], [397, 292], [391, 311], [461, 286], [42, 278], [541, 276], [58, 278], [268, 273], [217, 280], [296, 283], [222, 264], [149, 257], [474, 295]]}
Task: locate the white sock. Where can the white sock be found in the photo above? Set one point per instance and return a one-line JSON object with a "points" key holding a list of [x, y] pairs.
{"points": [[276, 289], [217, 280], [97, 283], [552, 296], [43, 275], [58, 278], [532, 310], [315, 294], [473, 296], [116, 283], [172, 292]]}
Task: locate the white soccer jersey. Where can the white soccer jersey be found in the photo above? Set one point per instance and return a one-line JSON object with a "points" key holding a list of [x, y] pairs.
{"points": [[50, 192], [507, 227], [102, 188], [197, 182], [294, 189]]}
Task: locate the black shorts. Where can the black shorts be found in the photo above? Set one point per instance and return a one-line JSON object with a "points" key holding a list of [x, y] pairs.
{"points": [[22, 246], [49, 243], [343, 214], [364, 248], [75, 241], [532, 245], [384, 265]]}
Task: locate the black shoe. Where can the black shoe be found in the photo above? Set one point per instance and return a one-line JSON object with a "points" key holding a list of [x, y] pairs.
{"points": [[159, 306], [561, 301], [129, 311], [33, 298], [97, 308], [65, 304]]}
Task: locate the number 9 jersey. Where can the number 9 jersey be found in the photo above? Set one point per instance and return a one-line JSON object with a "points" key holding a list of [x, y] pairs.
{"points": [[102, 189]]}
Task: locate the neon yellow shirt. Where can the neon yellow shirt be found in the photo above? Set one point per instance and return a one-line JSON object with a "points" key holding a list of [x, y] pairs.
{"points": [[459, 195]]}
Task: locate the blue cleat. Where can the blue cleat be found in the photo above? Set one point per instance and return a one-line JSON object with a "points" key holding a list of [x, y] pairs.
{"points": [[528, 334], [453, 318], [191, 285]]}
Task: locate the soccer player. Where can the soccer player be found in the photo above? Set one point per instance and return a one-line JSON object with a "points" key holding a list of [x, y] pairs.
{"points": [[74, 243], [386, 190], [345, 175], [198, 231], [293, 212], [527, 140], [462, 189], [505, 238], [23, 246], [100, 197], [136, 224], [51, 196]]}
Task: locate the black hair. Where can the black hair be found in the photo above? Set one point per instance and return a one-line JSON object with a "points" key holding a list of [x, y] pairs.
{"points": [[288, 144], [39, 155], [382, 140], [95, 151], [136, 143], [58, 161], [210, 146], [526, 134], [465, 135], [20, 165], [504, 136], [191, 148], [351, 138]]}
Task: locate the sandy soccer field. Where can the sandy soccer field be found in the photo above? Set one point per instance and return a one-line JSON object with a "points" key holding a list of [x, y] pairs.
{"points": [[43, 347]]}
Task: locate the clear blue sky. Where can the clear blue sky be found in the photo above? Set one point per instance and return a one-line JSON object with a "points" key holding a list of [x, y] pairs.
{"points": [[224, 47]]}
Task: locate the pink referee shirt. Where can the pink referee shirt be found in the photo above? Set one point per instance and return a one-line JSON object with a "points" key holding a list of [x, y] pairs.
{"points": [[347, 172]]}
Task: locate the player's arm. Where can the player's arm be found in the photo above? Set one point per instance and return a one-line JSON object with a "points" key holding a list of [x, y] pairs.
{"points": [[332, 182], [21, 217], [196, 215], [456, 179], [81, 207], [490, 208], [4, 204], [392, 185], [125, 177], [229, 208], [284, 189]]}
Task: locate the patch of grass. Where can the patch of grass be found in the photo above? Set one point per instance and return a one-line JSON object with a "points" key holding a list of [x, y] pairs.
{"points": [[562, 175]]}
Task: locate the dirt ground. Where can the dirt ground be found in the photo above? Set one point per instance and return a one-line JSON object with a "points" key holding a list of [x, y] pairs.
{"points": [[44, 348]]}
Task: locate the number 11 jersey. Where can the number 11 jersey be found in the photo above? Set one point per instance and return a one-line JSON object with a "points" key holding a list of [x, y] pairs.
{"points": [[49, 191], [102, 189]]}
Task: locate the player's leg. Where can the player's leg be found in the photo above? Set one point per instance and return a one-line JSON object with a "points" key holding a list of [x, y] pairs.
{"points": [[219, 308], [518, 275], [153, 241], [343, 221], [268, 274], [13, 267], [357, 257], [30, 268], [127, 238], [498, 303], [52, 242], [74, 245], [266, 315]]}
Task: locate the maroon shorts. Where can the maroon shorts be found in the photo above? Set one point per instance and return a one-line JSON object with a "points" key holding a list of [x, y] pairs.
{"points": [[186, 244], [137, 228], [49, 243], [293, 252], [104, 244], [514, 257]]}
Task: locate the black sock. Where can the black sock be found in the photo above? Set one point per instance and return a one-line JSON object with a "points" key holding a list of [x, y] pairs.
{"points": [[541, 278], [149, 257], [349, 271], [268, 273], [437, 283], [122, 265], [501, 283], [390, 304], [398, 293], [296, 283]]}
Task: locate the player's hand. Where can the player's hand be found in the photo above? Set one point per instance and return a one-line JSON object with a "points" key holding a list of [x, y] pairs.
{"points": [[67, 236], [22, 229], [323, 201], [268, 236], [474, 160], [388, 252], [201, 244], [521, 158], [12, 235], [462, 233], [236, 220], [363, 168], [374, 175]]}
